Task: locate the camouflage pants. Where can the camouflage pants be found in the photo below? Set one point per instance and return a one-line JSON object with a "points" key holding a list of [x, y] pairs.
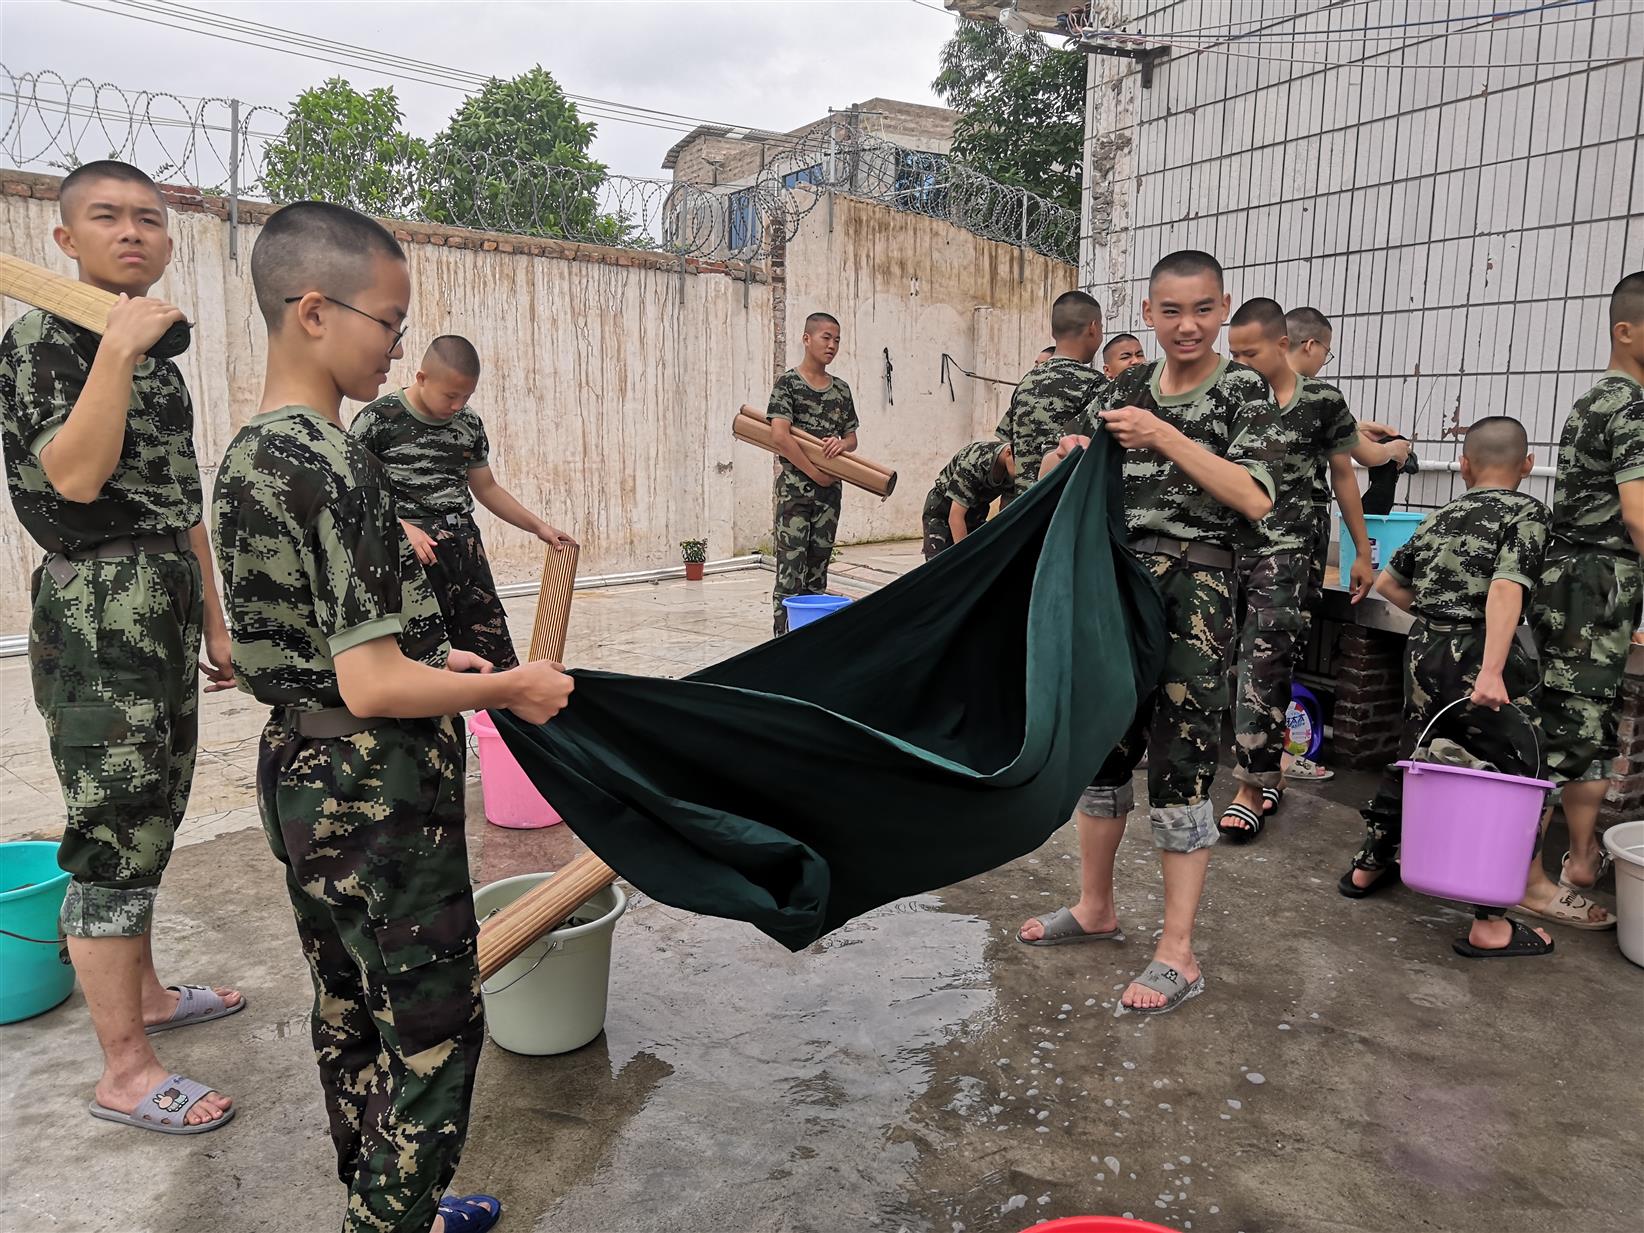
{"points": [[1274, 586], [370, 831], [1441, 664], [807, 523], [1179, 727], [113, 648], [1312, 598], [460, 578], [1583, 620]]}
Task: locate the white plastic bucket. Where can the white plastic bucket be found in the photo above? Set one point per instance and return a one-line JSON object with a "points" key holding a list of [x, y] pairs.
{"points": [[551, 998], [1625, 844]]}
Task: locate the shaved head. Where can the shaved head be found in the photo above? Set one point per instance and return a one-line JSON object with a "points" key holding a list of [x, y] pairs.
{"points": [[455, 353], [1306, 325], [316, 246], [1263, 313], [1627, 301], [1188, 263], [1072, 313], [1496, 443], [77, 185]]}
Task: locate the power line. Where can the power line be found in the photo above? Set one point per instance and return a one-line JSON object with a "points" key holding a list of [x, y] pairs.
{"points": [[1331, 36]]}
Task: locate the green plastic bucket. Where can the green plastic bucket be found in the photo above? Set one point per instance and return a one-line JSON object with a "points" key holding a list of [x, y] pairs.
{"points": [[551, 998], [33, 978]]}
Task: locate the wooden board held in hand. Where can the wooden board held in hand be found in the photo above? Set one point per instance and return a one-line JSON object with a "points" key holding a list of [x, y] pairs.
{"points": [[75, 301]]}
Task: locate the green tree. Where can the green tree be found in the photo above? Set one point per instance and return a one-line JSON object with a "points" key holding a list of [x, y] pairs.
{"points": [[514, 157], [1021, 109], [343, 146]]}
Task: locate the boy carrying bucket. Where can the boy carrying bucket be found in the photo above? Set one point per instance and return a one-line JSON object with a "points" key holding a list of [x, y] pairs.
{"points": [[1466, 576]]}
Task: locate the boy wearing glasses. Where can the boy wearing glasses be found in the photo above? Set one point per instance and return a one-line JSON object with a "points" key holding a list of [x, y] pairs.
{"points": [[438, 459], [99, 454], [360, 769]]}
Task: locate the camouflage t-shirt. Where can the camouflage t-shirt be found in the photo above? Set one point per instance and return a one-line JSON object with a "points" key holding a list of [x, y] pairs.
{"points": [[428, 460], [974, 479], [155, 488], [822, 413], [1231, 414], [1602, 447], [312, 558], [1049, 403], [1483, 535], [1316, 425]]}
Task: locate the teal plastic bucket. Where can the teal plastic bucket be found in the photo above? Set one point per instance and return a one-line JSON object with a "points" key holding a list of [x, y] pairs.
{"points": [[803, 609], [1387, 532], [33, 978]]}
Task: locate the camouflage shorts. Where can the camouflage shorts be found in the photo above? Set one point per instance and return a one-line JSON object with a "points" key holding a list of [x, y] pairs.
{"points": [[113, 648], [1583, 619], [370, 829], [1179, 726], [1274, 587], [460, 578], [806, 527]]}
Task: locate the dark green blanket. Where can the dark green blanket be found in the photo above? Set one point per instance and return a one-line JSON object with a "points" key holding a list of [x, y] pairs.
{"points": [[927, 733]]}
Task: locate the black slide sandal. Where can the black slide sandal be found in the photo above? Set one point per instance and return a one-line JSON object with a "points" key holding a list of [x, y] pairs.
{"points": [[1389, 877], [1526, 943], [1240, 834]]}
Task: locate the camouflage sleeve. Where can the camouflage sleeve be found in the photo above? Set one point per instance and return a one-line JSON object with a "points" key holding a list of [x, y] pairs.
{"points": [[963, 483], [481, 455], [780, 406], [1255, 430], [47, 373], [1003, 430], [1338, 430], [1627, 439], [1403, 565], [849, 422], [1523, 542], [353, 566], [368, 426]]}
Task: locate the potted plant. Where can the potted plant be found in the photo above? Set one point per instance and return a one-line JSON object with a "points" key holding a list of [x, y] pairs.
{"points": [[694, 552]]}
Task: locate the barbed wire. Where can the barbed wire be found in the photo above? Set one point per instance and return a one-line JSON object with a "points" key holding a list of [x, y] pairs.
{"points": [[254, 152]]}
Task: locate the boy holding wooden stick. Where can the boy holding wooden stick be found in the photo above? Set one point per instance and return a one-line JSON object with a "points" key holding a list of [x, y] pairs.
{"points": [[360, 769], [813, 400]]}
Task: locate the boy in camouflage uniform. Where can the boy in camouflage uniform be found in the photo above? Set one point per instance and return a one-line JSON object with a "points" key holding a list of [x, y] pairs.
{"points": [[360, 768], [812, 400], [439, 460], [1587, 605], [99, 453], [1276, 556], [1204, 444], [1051, 400], [1466, 575], [974, 478], [1311, 334]]}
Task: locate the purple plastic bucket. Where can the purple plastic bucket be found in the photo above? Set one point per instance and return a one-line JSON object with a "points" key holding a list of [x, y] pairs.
{"points": [[1469, 835]]}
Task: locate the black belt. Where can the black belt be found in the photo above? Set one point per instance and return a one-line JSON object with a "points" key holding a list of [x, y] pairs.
{"points": [[333, 721], [442, 522], [1189, 550], [1448, 626], [60, 565]]}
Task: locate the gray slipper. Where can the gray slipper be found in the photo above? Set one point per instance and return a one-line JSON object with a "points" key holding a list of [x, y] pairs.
{"points": [[1063, 928], [196, 1004], [1162, 978], [165, 1109]]}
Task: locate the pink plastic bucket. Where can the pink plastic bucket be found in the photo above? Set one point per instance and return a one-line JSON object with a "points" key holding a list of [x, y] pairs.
{"points": [[1469, 835], [511, 799]]}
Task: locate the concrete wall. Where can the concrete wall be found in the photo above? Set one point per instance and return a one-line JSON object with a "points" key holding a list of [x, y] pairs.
{"points": [[1462, 224], [612, 377], [917, 288]]}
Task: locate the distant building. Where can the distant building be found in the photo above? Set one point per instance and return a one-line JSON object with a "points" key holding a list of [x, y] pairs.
{"points": [[728, 178]]}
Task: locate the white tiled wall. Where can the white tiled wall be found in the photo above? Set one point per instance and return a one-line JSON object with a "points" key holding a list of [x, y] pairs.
{"points": [[1459, 203]]}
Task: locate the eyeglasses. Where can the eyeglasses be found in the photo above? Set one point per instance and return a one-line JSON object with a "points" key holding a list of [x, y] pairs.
{"points": [[1328, 352], [398, 333]]}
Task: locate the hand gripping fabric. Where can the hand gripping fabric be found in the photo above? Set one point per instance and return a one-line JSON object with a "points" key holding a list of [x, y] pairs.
{"points": [[929, 732]]}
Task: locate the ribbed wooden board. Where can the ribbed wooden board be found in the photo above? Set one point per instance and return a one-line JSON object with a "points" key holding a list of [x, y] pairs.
{"points": [[75, 301], [559, 577]]}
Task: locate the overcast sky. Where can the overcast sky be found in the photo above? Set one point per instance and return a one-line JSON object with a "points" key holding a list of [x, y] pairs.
{"points": [[765, 63]]}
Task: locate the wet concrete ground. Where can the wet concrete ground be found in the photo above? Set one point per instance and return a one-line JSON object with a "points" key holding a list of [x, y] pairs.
{"points": [[916, 1070]]}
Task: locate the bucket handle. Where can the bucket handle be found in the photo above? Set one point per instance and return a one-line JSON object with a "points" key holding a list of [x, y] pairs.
{"points": [[1421, 741], [546, 951]]}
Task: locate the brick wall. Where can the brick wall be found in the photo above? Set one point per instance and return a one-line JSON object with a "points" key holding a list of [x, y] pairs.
{"points": [[1368, 719], [1625, 799]]}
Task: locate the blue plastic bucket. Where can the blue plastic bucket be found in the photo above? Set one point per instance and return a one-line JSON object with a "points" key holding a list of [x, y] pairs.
{"points": [[33, 978], [803, 609], [1388, 533]]}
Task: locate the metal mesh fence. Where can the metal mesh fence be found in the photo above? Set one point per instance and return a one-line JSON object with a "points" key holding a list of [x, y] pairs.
{"points": [[51, 123]]}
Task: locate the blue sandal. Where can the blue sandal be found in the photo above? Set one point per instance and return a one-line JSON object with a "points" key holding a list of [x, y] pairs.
{"points": [[469, 1214]]}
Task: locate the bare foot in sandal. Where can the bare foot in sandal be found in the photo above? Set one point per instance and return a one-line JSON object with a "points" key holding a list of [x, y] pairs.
{"points": [[1138, 996], [1095, 919], [122, 1093], [1563, 906]]}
